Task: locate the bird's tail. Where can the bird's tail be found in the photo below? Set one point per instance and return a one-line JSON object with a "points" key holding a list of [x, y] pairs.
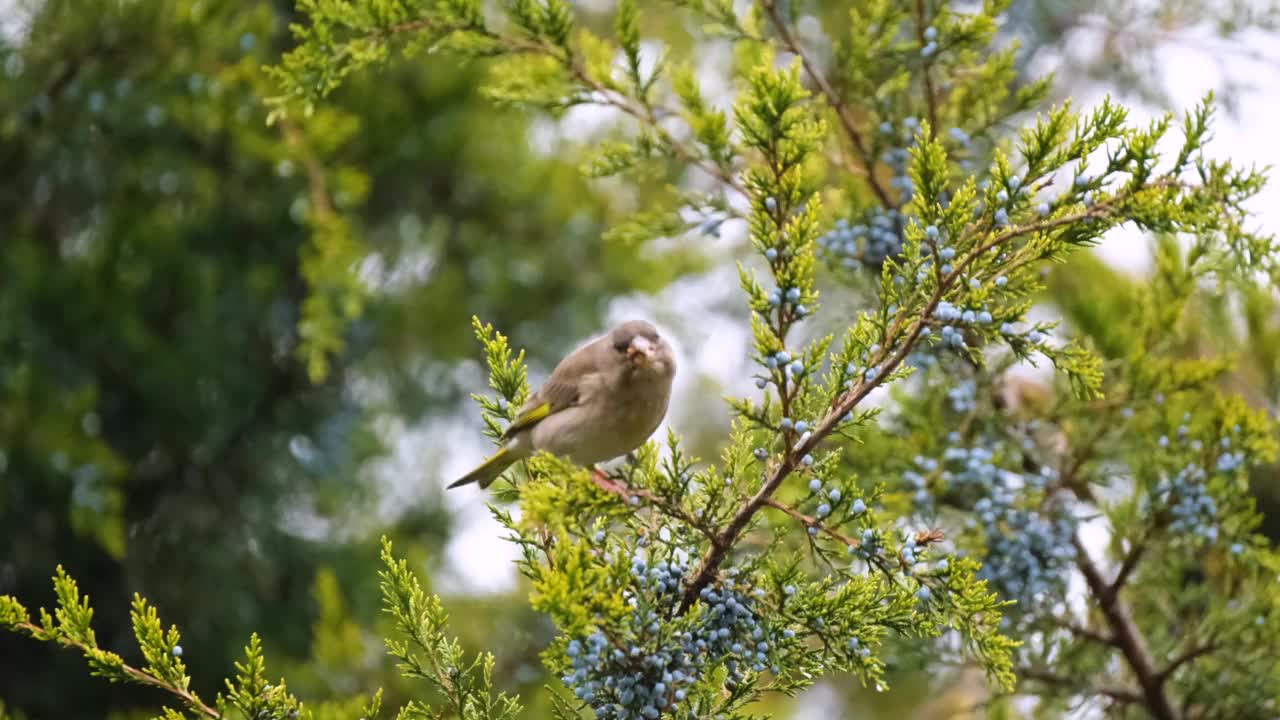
{"points": [[488, 471]]}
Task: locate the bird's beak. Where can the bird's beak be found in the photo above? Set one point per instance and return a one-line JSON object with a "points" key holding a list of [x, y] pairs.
{"points": [[641, 351]]}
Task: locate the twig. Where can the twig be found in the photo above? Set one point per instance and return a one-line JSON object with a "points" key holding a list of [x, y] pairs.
{"points": [[1085, 633], [139, 676], [1188, 656], [836, 102], [812, 522], [626, 492], [1119, 694], [1128, 565], [931, 101], [1128, 638], [611, 99], [316, 183]]}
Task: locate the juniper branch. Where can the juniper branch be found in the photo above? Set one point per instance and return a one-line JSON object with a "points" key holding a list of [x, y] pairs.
{"points": [[141, 677], [1127, 636], [837, 103]]}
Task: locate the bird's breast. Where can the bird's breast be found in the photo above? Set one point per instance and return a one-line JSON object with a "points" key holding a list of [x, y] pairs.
{"points": [[607, 425]]}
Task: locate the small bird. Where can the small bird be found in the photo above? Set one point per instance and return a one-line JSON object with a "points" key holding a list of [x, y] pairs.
{"points": [[604, 400]]}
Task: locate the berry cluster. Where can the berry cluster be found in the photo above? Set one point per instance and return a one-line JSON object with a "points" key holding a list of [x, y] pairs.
{"points": [[1184, 496], [790, 368], [952, 316], [869, 242], [964, 396], [931, 43], [877, 236], [829, 503], [1028, 551], [649, 671], [1193, 510], [789, 298]]}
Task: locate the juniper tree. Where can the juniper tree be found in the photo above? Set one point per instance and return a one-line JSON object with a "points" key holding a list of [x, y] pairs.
{"points": [[897, 492]]}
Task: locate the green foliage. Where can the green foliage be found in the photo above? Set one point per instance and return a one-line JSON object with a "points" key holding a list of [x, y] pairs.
{"points": [[176, 275], [897, 492], [958, 224], [427, 653]]}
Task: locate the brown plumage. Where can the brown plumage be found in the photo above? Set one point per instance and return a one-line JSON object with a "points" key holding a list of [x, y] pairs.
{"points": [[602, 401]]}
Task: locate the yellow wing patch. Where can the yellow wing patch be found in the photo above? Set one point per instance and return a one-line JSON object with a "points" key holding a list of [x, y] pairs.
{"points": [[528, 418]]}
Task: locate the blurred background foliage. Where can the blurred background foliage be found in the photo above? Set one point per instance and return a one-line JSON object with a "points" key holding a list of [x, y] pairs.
{"points": [[161, 427]]}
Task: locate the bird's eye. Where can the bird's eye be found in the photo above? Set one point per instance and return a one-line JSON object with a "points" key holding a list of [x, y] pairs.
{"points": [[622, 345]]}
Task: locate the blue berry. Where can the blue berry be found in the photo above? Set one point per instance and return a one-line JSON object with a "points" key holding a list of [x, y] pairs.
{"points": [[815, 485], [930, 33], [813, 531], [177, 651], [761, 383], [797, 368], [1001, 281], [1043, 208], [834, 495], [824, 510], [929, 50], [807, 460], [771, 254], [801, 426], [947, 253], [783, 357], [984, 317], [858, 507], [932, 232], [771, 204], [793, 295], [761, 453], [1002, 217]]}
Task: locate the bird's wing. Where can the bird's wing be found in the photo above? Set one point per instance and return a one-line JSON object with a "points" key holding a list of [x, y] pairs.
{"points": [[562, 389]]}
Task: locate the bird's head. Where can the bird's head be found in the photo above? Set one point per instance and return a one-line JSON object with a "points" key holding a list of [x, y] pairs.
{"points": [[645, 350]]}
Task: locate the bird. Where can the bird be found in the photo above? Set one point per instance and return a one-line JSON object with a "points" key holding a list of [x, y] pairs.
{"points": [[601, 401]]}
